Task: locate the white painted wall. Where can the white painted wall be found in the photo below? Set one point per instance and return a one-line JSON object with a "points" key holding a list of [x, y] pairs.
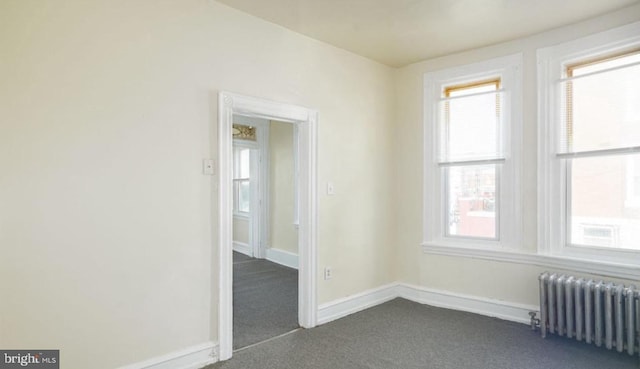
{"points": [[107, 109], [283, 233], [498, 280]]}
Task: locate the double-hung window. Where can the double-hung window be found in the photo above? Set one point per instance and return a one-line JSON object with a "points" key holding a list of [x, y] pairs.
{"points": [[472, 136], [241, 180], [590, 147]]}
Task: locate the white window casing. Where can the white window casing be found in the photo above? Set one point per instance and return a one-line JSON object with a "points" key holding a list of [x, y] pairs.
{"points": [[555, 153], [506, 157]]}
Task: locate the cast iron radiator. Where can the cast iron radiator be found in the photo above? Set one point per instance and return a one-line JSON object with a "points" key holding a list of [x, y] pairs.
{"points": [[601, 313]]}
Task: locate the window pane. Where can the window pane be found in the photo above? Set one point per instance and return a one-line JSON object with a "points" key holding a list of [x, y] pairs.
{"points": [[471, 201], [603, 209], [470, 128], [602, 111], [245, 160], [244, 194]]}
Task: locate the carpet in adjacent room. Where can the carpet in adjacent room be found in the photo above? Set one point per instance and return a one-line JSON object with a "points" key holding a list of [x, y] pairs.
{"points": [[265, 300]]}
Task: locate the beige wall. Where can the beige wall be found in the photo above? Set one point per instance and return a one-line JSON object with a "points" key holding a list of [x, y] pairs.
{"points": [[504, 281], [283, 233], [107, 110], [241, 230]]}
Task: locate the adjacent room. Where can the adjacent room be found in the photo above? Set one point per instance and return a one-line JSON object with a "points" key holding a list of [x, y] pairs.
{"points": [[247, 184]]}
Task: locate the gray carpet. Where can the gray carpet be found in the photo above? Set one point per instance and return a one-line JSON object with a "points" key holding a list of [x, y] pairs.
{"points": [[404, 334], [265, 300]]}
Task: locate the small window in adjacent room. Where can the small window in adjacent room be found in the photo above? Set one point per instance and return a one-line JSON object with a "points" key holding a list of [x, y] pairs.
{"points": [[473, 124], [591, 110], [241, 181]]}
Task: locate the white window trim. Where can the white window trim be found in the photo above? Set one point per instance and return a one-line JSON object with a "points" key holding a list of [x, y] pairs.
{"points": [[551, 173], [609, 269], [509, 68]]}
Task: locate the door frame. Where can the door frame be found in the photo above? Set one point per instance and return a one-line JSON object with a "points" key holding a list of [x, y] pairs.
{"points": [[306, 121]]}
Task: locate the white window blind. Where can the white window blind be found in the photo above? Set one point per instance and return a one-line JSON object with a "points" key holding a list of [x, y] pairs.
{"points": [[600, 107], [471, 124]]}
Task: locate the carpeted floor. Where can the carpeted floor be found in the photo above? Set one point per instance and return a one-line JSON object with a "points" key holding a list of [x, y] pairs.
{"points": [[404, 334], [265, 300]]}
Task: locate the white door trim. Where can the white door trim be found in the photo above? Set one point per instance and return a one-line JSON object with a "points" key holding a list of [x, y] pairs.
{"points": [[306, 121]]}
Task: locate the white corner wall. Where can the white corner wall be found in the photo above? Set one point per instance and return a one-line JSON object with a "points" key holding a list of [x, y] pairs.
{"points": [[241, 230], [500, 281], [107, 109], [283, 232]]}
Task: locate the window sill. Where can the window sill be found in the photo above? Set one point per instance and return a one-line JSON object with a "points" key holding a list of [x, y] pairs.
{"points": [[241, 215], [609, 269]]}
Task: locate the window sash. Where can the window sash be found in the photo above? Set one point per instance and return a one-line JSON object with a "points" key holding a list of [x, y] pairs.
{"points": [[508, 70], [619, 220], [449, 150], [237, 184], [446, 196], [240, 176], [572, 84]]}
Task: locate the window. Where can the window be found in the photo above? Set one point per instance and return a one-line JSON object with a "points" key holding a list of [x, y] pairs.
{"points": [[590, 135], [472, 122], [241, 180]]}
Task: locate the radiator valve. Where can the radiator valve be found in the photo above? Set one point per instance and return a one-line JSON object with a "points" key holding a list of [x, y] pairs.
{"points": [[535, 322]]}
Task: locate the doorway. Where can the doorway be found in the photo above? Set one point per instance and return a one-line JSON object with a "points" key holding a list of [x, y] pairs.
{"points": [[305, 122], [265, 264]]}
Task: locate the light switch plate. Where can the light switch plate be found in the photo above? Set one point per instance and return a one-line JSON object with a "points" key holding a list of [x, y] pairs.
{"points": [[208, 167], [330, 189]]}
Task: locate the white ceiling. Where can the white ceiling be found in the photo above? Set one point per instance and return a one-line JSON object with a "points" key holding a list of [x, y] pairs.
{"points": [[400, 32]]}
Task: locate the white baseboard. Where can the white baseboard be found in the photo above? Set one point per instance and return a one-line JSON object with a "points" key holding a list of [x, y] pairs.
{"points": [[352, 304], [194, 357], [282, 257], [473, 304], [242, 248]]}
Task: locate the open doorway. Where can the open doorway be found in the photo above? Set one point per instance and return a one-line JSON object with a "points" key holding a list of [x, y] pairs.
{"points": [[304, 120], [265, 230]]}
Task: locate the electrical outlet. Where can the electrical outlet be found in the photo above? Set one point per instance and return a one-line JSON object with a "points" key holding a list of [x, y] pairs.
{"points": [[328, 273]]}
